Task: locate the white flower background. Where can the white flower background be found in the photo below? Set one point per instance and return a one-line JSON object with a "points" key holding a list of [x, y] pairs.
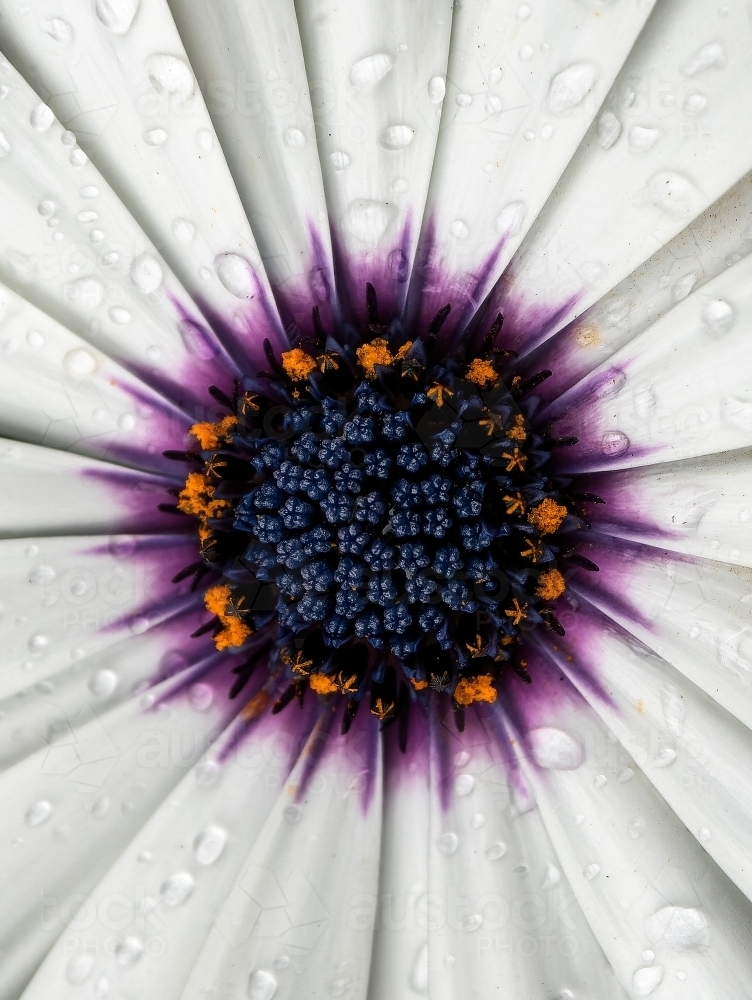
{"points": [[167, 167]]}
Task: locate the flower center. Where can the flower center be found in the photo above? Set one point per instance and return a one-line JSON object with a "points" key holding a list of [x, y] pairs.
{"points": [[382, 519]]}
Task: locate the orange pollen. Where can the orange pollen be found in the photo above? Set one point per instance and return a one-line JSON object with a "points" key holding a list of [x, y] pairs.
{"points": [[547, 516], [474, 689], [322, 684], [211, 435], [550, 585], [196, 497], [297, 364], [234, 632], [482, 373], [255, 706], [419, 685], [375, 353], [518, 432], [404, 349]]}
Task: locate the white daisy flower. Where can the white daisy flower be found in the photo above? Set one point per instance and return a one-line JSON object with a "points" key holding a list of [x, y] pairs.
{"points": [[375, 499]]}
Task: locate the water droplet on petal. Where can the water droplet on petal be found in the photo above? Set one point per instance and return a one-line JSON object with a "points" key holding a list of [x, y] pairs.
{"points": [[155, 137], [626, 775], [397, 136], [554, 749], [261, 985], [419, 974], [464, 784], [201, 696], [78, 157], [41, 118], [679, 928], [718, 317], [291, 813], [170, 75], [436, 89], [209, 844], [42, 576], [103, 682], [78, 969], [129, 950], [609, 129], [472, 923], [46, 208], [664, 757], [146, 273], [636, 827], [176, 889], [399, 266], [399, 185], [58, 30], [447, 843], [644, 981], [614, 443], [205, 139], [367, 72], [694, 103], [591, 871], [551, 877], [459, 229], [183, 230], [509, 220], [493, 104], [339, 160], [600, 780], [236, 274], [34, 339], [673, 193], [294, 138], [119, 316], [496, 850], [207, 773], [463, 100], [4, 146], [568, 88], [642, 139], [526, 52], [495, 75], [367, 221], [38, 813], [117, 15], [101, 807], [711, 56]]}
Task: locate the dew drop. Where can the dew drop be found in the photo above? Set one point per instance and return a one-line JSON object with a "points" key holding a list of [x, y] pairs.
{"points": [[176, 889], [626, 775], [170, 75], [436, 89], [568, 88], [526, 52], [636, 827], [205, 139], [694, 103], [554, 749], [117, 15], [367, 221], [207, 773], [464, 784], [4, 146], [236, 274], [523, 12], [103, 682], [155, 137], [37, 643], [591, 871], [718, 317], [472, 923], [183, 230], [58, 30], [665, 757], [369, 71], [146, 273], [477, 821], [38, 813], [509, 220], [711, 56], [608, 129], [448, 843], [600, 780], [291, 813], [493, 104], [201, 696], [78, 157], [459, 229], [645, 980], [419, 973], [461, 758], [209, 844], [339, 160], [614, 443], [293, 138], [642, 139], [551, 877], [119, 316], [463, 100], [703, 834], [86, 218], [495, 75], [398, 266], [42, 576], [101, 807], [397, 136], [683, 286], [399, 185], [496, 850], [673, 193], [41, 118], [46, 208], [679, 928], [129, 950], [78, 968], [261, 985]]}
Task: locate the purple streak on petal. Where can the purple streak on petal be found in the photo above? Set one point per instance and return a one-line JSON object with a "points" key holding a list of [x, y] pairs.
{"points": [[526, 323], [402, 767], [137, 495], [386, 269], [565, 356], [297, 296]]}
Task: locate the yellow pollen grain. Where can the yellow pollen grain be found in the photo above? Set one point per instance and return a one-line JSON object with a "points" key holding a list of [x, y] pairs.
{"points": [[419, 685], [211, 435], [550, 585], [322, 684], [297, 364], [255, 706], [404, 349], [472, 689], [518, 432], [375, 353], [196, 497], [547, 516], [481, 372], [234, 631]]}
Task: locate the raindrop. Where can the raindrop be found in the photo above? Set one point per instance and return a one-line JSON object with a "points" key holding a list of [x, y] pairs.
{"points": [[648, 956], [436, 89], [398, 266], [509, 220], [718, 317], [461, 758], [294, 138], [58, 30], [46, 208], [183, 230], [626, 775], [4, 146], [170, 75], [282, 962], [79, 362], [291, 813], [78, 969], [614, 443], [447, 843], [644, 981], [464, 784], [419, 973], [522, 869], [37, 643], [711, 56], [87, 217], [523, 12], [261, 985], [41, 118], [664, 757], [459, 229], [472, 923], [146, 273], [636, 827], [89, 191], [129, 950], [477, 821], [591, 871], [367, 72], [201, 696], [674, 711], [551, 877], [397, 136], [496, 850], [155, 137], [119, 316], [205, 139], [38, 813], [177, 888], [493, 104], [600, 780], [366, 220], [399, 185], [463, 100], [642, 139], [117, 15], [339, 160], [678, 928], [609, 129], [42, 576], [673, 193], [101, 807], [209, 844], [554, 749], [683, 286], [694, 103], [526, 52], [703, 834], [103, 683], [236, 274], [495, 75], [207, 773], [568, 88], [77, 157]]}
